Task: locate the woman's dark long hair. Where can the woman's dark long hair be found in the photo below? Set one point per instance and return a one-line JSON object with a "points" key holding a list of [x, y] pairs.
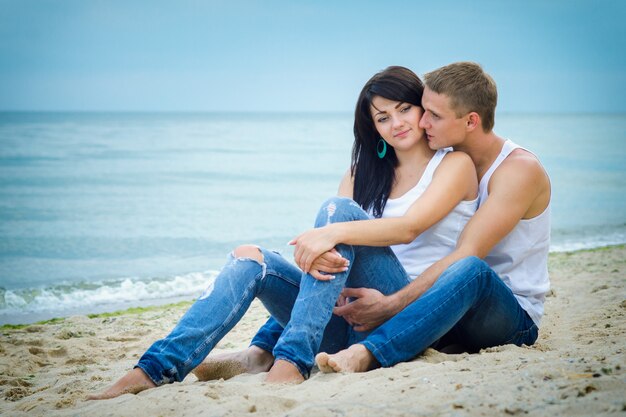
{"points": [[373, 176]]}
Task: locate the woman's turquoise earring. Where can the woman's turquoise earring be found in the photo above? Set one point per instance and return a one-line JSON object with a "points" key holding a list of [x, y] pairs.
{"points": [[381, 148]]}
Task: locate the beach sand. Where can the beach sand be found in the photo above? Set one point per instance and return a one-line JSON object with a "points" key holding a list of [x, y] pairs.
{"points": [[576, 368]]}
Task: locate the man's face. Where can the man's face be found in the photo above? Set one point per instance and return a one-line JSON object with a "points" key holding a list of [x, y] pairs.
{"points": [[443, 128]]}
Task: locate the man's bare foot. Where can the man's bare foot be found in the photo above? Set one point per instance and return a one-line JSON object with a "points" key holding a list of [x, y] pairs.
{"points": [[354, 359], [284, 372], [132, 383], [253, 360]]}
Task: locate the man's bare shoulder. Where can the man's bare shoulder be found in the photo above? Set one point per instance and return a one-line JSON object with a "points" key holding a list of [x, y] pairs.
{"points": [[521, 173], [521, 164]]}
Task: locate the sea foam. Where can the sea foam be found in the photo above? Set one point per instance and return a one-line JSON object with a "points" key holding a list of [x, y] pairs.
{"points": [[89, 296]]}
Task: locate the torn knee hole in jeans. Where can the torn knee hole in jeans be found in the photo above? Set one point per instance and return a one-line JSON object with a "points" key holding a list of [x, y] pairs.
{"points": [[330, 211], [237, 256], [250, 253]]}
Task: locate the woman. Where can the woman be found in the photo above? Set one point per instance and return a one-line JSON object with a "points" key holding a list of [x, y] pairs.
{"points": [[398, 192]]}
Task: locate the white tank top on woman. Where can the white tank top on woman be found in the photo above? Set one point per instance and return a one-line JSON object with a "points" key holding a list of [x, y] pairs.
{"points": [[521, 258], [438, 240]]}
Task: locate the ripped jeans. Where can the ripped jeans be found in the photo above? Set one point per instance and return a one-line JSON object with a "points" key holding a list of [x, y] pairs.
{"points": [[300, 305]]}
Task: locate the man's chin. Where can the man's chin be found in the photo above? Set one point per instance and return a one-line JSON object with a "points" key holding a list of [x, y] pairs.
{"points": [[434, 146]]}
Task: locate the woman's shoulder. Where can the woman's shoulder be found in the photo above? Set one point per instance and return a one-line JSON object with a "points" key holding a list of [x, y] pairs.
{"points": [[457, 170], [457, 159]]}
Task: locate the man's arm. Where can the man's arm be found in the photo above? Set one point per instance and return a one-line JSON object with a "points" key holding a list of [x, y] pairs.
{"points": [[517, 190]]}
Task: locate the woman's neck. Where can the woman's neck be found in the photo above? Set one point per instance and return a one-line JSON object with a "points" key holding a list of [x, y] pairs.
{"points": [[417, 155], [411, 166]]}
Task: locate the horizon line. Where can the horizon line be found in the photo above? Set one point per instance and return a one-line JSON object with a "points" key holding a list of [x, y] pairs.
{"points": [[294, 112]]}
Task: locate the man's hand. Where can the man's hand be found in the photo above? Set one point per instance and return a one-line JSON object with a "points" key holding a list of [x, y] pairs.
{"points": [[328, 263], [369, 310]]}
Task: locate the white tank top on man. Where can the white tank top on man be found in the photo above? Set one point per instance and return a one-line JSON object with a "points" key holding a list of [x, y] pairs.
{"points": [[521, 258]]}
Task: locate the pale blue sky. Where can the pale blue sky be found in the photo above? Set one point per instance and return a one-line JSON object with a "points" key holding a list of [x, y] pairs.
{"points": [[281, 55]]}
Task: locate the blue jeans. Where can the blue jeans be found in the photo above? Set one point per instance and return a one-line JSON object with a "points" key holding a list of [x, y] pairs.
{"points": [[469, 305], [300, 305]]}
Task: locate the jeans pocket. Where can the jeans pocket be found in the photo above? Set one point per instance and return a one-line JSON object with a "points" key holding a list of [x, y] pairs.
{"points": [[525, 337]]}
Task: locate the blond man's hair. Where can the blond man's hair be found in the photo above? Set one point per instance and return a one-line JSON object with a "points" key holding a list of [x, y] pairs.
{"points": [[469, 88]]}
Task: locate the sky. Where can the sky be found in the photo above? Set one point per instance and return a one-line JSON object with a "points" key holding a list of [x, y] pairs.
{"points": [[547, 56]]}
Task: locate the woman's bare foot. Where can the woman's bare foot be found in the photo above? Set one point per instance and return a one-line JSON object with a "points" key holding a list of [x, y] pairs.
{"points": [[354, 359], [132, 383], [253, 360], [284, 372]]}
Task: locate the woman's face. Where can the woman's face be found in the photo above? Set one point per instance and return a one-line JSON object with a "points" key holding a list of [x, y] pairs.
{"points": [[397, 122]]}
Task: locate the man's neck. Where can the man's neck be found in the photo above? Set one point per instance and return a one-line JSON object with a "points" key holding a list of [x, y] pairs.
{"points": [[483, 148]]}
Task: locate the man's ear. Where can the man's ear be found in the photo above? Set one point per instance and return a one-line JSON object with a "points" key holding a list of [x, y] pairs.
{"points": [[473, 121]]}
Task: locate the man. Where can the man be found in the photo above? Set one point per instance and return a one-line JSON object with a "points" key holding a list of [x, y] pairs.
{"points": [[461, 299]]}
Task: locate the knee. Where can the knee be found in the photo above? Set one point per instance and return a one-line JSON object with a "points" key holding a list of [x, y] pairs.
{"points": [[472, 262], [337, 209], [467, 265], [248, 252]]}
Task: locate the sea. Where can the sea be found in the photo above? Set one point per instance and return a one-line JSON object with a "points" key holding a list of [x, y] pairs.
{"points": [[104, 211]]}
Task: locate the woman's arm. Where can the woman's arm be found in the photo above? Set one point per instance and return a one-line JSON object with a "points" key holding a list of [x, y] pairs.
{"points": [[453, 181], [346, 186]]}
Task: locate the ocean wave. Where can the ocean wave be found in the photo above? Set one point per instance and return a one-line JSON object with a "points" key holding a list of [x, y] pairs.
{"points": [[587, 239], [89, 295], [30, 304]]}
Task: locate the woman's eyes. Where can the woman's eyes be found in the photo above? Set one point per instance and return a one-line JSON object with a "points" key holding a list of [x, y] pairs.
{"points": [[402, 110]]}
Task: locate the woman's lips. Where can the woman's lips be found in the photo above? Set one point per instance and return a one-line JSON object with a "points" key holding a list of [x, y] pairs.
{"points": [[401, 134]]}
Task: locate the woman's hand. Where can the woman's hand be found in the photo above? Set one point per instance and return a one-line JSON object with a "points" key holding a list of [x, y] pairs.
{"points": [[311, 244], [328, 263]]}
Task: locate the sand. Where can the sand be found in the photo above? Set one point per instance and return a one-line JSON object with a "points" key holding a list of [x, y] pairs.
{"points": [[575, 369]]}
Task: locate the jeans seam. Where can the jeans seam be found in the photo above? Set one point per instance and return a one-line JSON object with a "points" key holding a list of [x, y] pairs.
{"points": [[280, 276], [315, 336], [226, 322], [378, 354], [520, 333]]}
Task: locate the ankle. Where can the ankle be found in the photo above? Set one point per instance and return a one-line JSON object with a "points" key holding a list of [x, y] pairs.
{"points": [[363, 357], [284, 372], [258, 356], [139, 376]]}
